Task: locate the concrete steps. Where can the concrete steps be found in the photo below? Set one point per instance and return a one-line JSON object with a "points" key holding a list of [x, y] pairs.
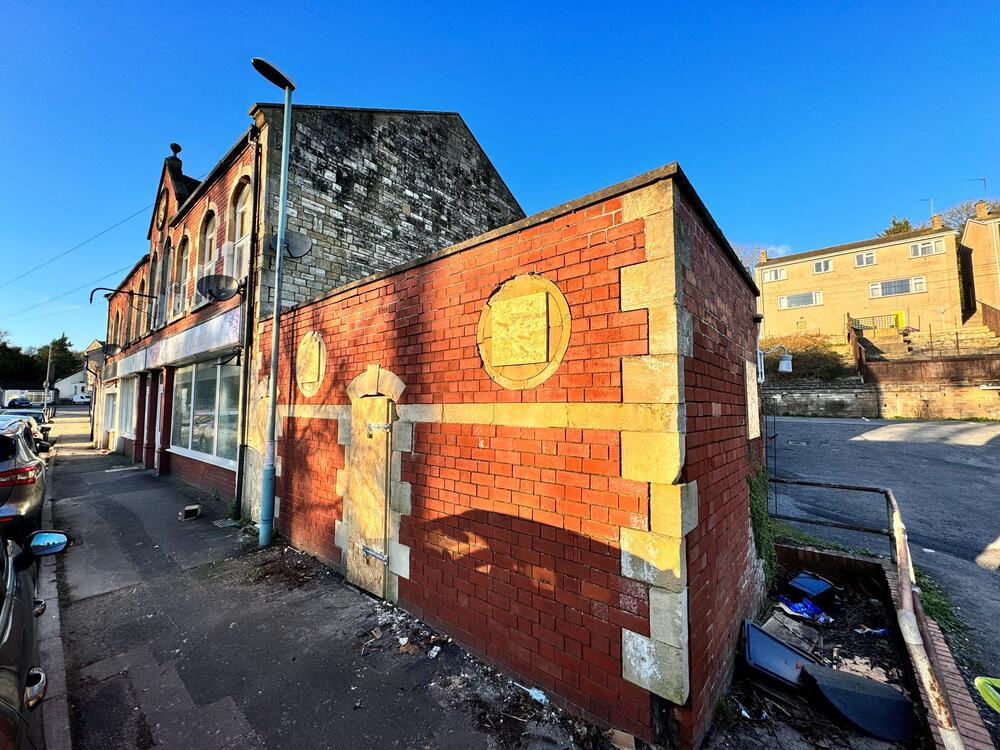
{"points": [[972, 338]]}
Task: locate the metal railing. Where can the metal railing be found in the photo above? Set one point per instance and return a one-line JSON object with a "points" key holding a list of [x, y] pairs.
{"points": [[909, 612], [874, 322]]}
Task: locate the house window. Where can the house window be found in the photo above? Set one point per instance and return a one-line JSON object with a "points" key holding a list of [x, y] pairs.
{"points": [[126, 405], [206, 409], [864, 259], [920, 249], [774, 274], [207, 252], [805, 299], [823, 266], [178, 289], [895, 287], [238, 251]]}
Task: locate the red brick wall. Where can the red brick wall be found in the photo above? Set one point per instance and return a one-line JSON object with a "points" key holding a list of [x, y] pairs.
{"points": [[206, 477], [724, 581], [513, 533]]}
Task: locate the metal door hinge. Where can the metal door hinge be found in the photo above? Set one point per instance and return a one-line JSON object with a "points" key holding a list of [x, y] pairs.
{"points": [[387, 426]]}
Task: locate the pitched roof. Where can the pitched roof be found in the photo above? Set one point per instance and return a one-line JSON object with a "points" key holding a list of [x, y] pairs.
{"points": [[885, 240]]}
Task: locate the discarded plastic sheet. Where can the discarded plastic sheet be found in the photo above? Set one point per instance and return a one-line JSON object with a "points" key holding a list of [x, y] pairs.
{"points": [[865, 630], [537, 695], [804, 609], [989, 688], [877, 708], [772, 656], [810, 584]]}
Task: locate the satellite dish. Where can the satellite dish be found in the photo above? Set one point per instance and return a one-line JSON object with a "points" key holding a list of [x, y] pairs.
{"points": [[296, 245], [111, 350], [218, 288]]}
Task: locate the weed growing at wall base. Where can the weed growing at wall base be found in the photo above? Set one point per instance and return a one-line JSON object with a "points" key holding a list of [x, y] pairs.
{"points": [[763, 526]]}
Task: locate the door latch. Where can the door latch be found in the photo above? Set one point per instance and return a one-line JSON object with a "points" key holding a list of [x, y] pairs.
{"points": [[369, 552], [372, 426]]}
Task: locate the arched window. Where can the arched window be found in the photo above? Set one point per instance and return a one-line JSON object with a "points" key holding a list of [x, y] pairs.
{"points": [[151, 307], [179, 289], [239, 230], [114, 328], [134, 321], [163, 285], [128, 317], [207, 251], [140, 304]]}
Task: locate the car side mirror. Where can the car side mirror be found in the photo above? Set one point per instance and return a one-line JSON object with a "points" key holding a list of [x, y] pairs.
{"points": [[42, 543], [42, 446]]}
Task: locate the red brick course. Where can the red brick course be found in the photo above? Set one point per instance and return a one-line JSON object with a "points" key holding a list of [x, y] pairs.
{"points": [[207, 477], [724, 580], [514, 531]]}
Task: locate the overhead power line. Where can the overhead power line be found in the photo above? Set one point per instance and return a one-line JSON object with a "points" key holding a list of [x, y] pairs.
{"points": [[64, 253], [28, 313]]}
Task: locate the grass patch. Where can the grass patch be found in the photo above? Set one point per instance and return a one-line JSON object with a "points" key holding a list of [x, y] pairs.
{"points": [[814, 358], [937, 604]]}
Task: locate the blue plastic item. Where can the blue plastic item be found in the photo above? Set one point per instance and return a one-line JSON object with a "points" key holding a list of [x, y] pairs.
{"points": [[772, 656], [809, 584], [805, 609]]}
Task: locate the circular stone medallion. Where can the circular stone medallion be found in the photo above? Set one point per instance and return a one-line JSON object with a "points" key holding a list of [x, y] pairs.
{"points": [[524, 332]]}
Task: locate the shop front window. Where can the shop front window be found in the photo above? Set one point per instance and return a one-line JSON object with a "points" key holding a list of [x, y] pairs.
{"points": [[206, 408]]}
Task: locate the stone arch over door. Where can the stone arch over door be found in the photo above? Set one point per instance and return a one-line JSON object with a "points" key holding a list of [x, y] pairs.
{"points": [[374, 497]]}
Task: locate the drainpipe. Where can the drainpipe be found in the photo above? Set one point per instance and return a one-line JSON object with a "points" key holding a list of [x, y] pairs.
{"points": [[249, 318]]}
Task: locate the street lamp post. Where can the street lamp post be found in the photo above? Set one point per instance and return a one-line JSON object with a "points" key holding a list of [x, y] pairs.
{"points": [[282, 81]]}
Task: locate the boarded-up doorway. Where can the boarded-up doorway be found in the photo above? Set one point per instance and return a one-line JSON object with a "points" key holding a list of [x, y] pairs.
{"points": [[366, 513]]}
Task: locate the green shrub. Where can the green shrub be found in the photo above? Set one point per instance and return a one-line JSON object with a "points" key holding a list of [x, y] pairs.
{"points": [[813, 358], [760, 522]]}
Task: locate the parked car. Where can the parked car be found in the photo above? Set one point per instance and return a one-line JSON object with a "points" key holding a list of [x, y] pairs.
{"points": [[19, 403], [24, 680], [22, 478], [36, 414], [81, 398]]}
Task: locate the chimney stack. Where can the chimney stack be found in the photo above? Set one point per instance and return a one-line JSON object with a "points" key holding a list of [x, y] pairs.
{"points": [[936, 222], [763, 255], [982, 210]]}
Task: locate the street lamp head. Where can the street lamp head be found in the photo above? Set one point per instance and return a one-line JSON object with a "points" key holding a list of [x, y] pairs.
{"points": [[785, 363], [272, 74]]}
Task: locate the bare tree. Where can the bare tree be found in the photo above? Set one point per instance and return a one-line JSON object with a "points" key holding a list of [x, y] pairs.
{"points": [[748, 254], [897, 226], [956, 216]]}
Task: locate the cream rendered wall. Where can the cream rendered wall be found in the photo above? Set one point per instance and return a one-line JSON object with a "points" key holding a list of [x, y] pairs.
{"points": [[845, 289], [983, 238]]}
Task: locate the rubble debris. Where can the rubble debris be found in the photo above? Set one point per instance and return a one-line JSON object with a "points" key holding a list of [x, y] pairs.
{"points": [[620, 740], [537, 695], [225, 523], [877, 708], [771, 656], [432, 654], [799, 634]]}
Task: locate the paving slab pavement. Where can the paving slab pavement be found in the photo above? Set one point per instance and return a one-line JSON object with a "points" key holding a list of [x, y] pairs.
{"points": [[180, 634]]}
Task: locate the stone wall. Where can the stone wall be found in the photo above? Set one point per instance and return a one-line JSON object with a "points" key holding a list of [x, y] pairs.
{"points": [[937, 400], [822, 399], [374, 189], [545, 511]]}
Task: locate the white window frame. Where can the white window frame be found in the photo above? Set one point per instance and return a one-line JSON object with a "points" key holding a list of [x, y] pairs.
{"points": [[773, 274], [126, 411], [824, 265], [932, 247], [783, 300], [918, 285], [867, 258], [205, 264], [187, 451]]}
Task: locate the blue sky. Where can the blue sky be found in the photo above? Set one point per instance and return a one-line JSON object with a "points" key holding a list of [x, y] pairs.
{"points": [[801, 125]]}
